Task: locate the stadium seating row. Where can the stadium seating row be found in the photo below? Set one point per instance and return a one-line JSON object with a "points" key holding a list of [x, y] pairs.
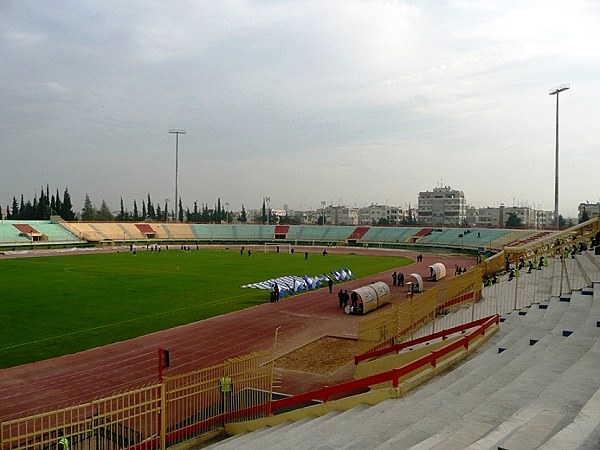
{"points": [[131, 231]]}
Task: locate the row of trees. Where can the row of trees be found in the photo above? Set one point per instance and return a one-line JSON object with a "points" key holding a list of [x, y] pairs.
{"points": [[40, 208], [46, 205], [148, 211]]}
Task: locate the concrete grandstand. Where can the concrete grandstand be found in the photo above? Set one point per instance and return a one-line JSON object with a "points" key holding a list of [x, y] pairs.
{"points": [[56, 233], [534, 384], [531, 384]]}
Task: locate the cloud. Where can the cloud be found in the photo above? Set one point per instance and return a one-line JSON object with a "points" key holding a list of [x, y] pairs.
{"points": [[302, 101]]}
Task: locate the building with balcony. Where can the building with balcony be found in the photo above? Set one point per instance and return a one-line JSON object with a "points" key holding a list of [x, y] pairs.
{"points": [[442, 206]]}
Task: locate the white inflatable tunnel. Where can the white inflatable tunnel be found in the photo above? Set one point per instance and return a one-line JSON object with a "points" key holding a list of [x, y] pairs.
{"points": [[437, 271], [416, 282], [369, 297]]}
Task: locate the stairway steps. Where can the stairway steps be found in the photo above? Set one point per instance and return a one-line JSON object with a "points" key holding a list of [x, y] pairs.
{"points": [[525, 397]]}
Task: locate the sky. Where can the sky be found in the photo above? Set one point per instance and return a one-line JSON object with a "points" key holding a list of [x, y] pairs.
{"points": [[348, 102]]}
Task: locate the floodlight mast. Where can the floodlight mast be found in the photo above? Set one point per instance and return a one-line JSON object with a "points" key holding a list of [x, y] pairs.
{"points": [[555, 91], [176, 132], [268, 201]]}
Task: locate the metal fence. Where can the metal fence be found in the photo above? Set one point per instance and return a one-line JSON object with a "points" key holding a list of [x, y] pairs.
{"points": [[153, 416], [514, 278], [419, 312]]}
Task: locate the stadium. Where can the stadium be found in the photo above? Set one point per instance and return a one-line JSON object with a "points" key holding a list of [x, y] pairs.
{"points": [[500, 354]]}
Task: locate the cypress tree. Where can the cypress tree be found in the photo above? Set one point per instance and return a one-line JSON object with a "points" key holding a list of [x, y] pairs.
{"points": [[15, 209], [22, 209], [144, 213], [28, 211], [195, 217], [33, 209], [180, 207], [66, 208], [121, 215], [136, 215], [150, 209], [57, 204]]}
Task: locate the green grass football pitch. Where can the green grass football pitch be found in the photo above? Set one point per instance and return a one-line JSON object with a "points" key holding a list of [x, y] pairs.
{"points": [[52, 306]]}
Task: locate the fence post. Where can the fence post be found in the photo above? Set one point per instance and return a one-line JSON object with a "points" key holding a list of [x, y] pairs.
{"points": [[516, 289], [162, 417], [562, 271]]}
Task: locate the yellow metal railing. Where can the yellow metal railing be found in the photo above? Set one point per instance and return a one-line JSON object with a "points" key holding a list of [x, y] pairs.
{"points": [[154, 416], [465, 289]]}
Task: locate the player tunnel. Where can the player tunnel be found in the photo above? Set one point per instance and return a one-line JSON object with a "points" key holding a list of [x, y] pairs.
{"points": [[368, 298], [437, 271]]}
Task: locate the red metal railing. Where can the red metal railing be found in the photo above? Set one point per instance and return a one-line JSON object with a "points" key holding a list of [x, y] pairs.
{"points": [[344, 389], [397, 347]]}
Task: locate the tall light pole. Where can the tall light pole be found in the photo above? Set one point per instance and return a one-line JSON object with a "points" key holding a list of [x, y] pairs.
{"points": [[268, 202], [176, 133], [323, 212], [555, 91]]}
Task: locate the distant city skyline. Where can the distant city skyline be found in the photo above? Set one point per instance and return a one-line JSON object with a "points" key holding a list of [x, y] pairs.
{"points": [[345, 102], [128, 204]]}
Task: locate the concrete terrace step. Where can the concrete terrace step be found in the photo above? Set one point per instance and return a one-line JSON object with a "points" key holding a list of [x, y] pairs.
{"points": [[231, 442], [485, 364], [532, 433], [575, 314], [589, 262], [488, 383], [320, 435], [577, 279], [300, 429], [493, 406], [530, 384], [558, 404], [484, 360], [455, 436], [260, 438], [516, 399], [243, 440]]}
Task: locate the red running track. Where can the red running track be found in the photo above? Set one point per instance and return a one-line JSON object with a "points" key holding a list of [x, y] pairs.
{"points": [[103, 371]]}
